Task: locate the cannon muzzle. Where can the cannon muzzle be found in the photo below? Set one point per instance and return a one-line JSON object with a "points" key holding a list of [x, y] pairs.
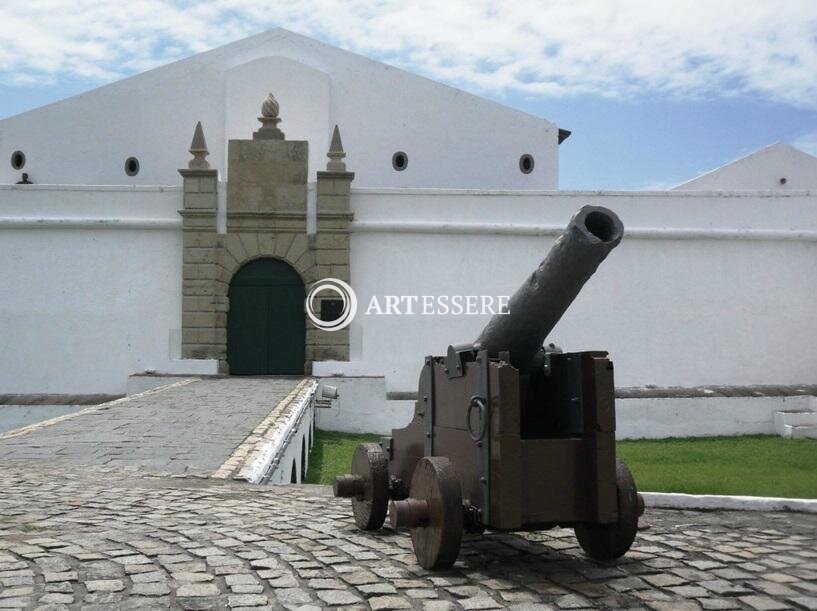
{"points": [[536, 307]]}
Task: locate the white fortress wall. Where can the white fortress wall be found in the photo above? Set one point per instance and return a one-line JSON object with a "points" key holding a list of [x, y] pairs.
{"points": [[90, 285], [706, 287]]}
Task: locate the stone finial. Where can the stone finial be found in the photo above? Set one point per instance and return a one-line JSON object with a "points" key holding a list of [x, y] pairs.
{"points": [[336, 154], [198, 148], [270, 107], [269, 121]]}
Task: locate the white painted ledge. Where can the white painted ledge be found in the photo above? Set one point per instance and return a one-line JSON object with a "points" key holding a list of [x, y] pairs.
{"points": [[98, 188], [673, 500], [203, 367], [672, 193], [351, 369], [643, 233]]}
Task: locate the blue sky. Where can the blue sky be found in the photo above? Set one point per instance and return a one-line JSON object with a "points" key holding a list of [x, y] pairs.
{"points": [[655, 93]]}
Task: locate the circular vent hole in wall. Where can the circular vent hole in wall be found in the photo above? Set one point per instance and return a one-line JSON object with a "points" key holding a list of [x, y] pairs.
{"points": [[526, 163], [18, 160], [131, 166], [399, 161]]}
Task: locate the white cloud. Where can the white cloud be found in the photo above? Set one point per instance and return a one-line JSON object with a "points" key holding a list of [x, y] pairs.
{"points": [[543, 48], [807, 143]]}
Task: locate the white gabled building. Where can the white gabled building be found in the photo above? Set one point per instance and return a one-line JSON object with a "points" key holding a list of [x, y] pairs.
{"points": [[451, 139], [777, 166]]}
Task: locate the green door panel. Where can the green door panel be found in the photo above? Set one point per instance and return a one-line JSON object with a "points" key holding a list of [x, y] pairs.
{"points": [[266, 329], [246, 329], [286, 340]]}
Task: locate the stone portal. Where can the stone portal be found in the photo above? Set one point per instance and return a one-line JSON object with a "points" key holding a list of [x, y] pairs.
{"points": [[266, 218]]}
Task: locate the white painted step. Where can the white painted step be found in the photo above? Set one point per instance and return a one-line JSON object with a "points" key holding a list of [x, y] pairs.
{"points": [[795, 424], [800, 432]]}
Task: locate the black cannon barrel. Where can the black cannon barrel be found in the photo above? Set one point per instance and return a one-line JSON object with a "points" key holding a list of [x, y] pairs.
{"points": [[536, 307]]}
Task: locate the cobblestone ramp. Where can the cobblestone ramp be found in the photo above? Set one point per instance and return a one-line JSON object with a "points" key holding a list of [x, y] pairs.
{"points": [[189, 428], [97, 538]]}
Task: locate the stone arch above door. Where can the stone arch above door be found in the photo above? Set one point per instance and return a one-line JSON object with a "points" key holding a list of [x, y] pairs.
{"points": [[242, 247], [205, 315]]}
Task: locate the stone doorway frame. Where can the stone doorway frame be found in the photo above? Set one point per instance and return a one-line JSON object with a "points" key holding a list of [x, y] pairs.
{"points": [[272, 225]]}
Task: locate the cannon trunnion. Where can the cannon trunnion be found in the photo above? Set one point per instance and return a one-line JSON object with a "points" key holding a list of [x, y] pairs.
{"points": [[508, 440]]}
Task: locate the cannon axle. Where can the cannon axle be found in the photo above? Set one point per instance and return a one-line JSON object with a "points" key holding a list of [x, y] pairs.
{"points": [[349, 486], [408, 513]]}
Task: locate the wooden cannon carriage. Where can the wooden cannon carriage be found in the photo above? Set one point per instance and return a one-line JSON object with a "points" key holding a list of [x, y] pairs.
{"points": [[507, 434]]}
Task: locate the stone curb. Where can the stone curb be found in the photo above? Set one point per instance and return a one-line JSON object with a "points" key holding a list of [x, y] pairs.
{"points": [[95, 408], [55, 399], [673, 500]]}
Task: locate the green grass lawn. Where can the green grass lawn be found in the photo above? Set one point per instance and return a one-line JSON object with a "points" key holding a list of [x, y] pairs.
{"points": [[757, 465], [754, 465], [332, 455]]}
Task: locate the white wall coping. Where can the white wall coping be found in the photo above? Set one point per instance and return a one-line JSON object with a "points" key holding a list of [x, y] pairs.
{"points": [[677, 500], [771, 193], [95, 222]]}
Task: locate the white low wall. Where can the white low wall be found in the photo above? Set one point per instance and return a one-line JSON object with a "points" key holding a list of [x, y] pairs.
{"points": [[363, 408], [701, 416], [90, 286], [293, 458]]}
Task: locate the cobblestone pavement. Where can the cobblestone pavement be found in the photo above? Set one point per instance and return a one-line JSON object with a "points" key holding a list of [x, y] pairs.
{"points": [[189, 427], [103, 538]]}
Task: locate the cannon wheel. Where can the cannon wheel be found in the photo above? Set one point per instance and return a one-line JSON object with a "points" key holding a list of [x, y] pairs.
{"points": [[611, 541], [369, 462], [437, 544]]}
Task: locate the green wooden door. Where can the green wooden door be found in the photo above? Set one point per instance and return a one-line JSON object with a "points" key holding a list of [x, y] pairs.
{"points": [[266, 332]]}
